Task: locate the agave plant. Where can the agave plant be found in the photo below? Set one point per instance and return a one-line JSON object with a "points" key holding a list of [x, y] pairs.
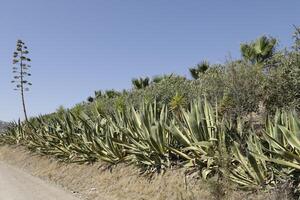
{"points": [[152, 139], [283, 138], [271, 158], [147, 139], [198, 137], [247, 169], [13, 134]]}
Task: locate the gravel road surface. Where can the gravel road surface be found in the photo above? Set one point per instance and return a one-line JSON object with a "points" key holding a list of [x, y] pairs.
{"points": [[18, 185]]}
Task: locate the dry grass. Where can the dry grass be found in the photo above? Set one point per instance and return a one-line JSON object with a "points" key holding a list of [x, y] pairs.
{"points": [[98, 181]]}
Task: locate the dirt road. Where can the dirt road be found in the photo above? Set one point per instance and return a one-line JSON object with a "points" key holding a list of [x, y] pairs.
{"points": [[17, 185]]}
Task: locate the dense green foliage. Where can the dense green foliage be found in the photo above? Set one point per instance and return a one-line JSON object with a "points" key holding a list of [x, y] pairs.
{"points": [[238, 87], [282, 87], [205, 124], [265, 79]]}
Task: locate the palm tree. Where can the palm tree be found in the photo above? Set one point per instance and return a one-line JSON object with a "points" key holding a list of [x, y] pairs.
{"points": [[110, 94], [199, 69], [98, 94], [140, 83], [258, 51], [159, 78]]}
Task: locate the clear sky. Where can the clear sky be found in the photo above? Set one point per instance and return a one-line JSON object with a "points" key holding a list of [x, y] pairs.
{"points": [[79, 46]]}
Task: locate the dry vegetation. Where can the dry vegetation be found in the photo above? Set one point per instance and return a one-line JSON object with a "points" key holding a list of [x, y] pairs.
{"points": [[98, 181]]}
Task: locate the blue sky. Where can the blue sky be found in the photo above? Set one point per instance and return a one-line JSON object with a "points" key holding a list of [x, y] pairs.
{"points": [[79, 46]]}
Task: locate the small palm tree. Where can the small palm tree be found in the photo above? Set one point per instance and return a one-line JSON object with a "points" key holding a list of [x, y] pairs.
{"points": [[140, 83], [159, 78], [98, 94], [111, 94], [258, 51], [199, 69]]}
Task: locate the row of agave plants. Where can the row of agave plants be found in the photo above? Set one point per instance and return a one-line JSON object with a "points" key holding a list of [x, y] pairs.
{"points": [[154, 140]]}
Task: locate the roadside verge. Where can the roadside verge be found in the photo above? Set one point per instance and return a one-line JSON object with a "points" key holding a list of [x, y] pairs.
{"points": [[102, 182]]}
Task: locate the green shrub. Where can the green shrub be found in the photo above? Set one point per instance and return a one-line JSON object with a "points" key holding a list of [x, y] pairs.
{"points": [[282, 86], [162, 91], [211, 83], [236, 86], [243, 86]]}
